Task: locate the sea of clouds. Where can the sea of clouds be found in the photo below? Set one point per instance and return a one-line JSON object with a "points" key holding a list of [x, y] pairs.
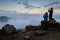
{"points": [[20, 21]]}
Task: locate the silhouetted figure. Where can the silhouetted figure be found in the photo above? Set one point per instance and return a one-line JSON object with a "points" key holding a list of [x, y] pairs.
{"points": [[50, 13], [45, 21], [45, 17]]}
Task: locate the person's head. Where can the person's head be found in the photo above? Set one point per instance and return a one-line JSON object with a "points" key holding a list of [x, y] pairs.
{"points": [[51, 7], [46, 13]]}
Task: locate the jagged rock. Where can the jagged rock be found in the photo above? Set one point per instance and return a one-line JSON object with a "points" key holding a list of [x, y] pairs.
{"points": [[44, 25], [39, 32], [32, 28], [8, 29], [27, 36], [52, 21]]}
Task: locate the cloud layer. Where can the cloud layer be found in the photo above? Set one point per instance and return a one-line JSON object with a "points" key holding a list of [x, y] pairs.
{"points": [[5, 11], [4, 19]]}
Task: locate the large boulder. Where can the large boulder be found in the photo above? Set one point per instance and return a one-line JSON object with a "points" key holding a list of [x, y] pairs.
{"points": [[31, 28], [44, 25], [7, 29], [52, 22]]}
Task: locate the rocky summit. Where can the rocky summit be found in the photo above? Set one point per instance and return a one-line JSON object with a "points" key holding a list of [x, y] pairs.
{"points": [[45, 31]]}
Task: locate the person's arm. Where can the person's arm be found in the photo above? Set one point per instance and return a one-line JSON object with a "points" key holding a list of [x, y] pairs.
{"points": [[43, 16], [49, 10]]}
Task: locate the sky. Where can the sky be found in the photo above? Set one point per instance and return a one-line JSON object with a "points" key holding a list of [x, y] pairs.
{"points": [[28, 6]]}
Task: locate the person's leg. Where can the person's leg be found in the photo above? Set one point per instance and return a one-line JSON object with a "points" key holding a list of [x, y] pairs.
{"points": [[49, 16], [52, 16]]}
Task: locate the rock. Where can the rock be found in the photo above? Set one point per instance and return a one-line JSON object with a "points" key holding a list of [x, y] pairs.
{"points": [[8, 29], [39, 32], [52, 21], [0, 32], [44, 26], [58, 24], [27, 36], [2, 37], [32, 28]]}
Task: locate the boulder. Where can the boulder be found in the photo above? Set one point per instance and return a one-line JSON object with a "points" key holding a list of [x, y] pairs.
{"points": [[44, 26], [52, 21], [39, 32], [32, 28], [50, 24], [27, 36], [7, 29]]}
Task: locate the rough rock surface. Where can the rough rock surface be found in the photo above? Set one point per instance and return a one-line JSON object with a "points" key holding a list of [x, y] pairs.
{"points": [[8, 29]]}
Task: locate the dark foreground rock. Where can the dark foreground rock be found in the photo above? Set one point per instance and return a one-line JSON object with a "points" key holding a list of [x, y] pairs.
{"points": [[32, 28], [49, 24], [8, 29], [39, 32], [27, 37]]}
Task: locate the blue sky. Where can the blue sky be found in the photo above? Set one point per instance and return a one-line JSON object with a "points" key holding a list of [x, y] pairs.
{"points": [[28, 6]]}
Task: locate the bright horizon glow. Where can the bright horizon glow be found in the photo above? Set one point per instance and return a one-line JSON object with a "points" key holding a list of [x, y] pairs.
{"points": [[37, 11], [31, 12]]}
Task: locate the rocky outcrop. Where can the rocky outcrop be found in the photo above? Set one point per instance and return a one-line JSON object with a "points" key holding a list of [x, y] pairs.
{"points": [[49, 24], [39, 32], [7, 29], [27, 37], [32, 28]]}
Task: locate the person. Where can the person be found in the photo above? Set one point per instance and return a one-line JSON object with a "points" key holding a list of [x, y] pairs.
{"points": [[45, 21], [50, 13], [45, 16]]}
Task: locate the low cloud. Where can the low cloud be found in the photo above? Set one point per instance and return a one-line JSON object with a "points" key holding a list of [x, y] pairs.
{"points": [[4, 19]]}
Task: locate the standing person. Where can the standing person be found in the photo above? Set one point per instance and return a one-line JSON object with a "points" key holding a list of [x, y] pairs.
{"points": [[50, 13], [45, 16]]}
